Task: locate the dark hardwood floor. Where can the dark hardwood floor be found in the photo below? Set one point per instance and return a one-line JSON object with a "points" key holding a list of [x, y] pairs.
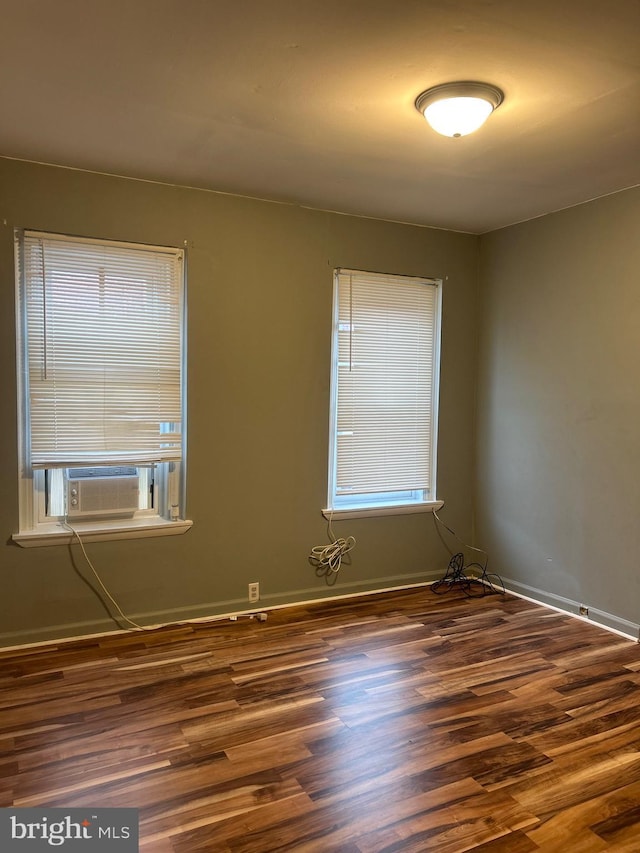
{"points": [[395, 722]]}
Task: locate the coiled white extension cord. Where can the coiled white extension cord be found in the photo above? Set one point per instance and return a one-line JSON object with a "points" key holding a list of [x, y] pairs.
{"points": [[327, 559]]}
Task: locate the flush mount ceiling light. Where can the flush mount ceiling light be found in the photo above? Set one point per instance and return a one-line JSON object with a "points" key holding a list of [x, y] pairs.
{"points": [[456, 109]]}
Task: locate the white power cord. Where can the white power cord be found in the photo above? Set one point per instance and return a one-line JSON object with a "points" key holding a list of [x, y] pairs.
{"points": [[261, 617], [99, 579], [327, 559]]}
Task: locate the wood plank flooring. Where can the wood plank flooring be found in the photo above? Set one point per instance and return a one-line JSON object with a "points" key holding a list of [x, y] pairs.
{"points": [[396, 722]]}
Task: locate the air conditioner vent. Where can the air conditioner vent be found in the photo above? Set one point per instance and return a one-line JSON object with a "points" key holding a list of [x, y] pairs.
{"points": [[102, 494], [103, 471]]}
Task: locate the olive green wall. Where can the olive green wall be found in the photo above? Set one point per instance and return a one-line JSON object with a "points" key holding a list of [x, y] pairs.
{"points": [[558, 486], [259, 328]]}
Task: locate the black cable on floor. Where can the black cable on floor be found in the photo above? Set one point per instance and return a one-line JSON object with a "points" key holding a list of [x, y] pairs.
{"points": [[472, 579]]}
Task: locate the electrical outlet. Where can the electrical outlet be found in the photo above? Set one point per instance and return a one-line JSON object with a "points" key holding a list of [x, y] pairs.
{"points": [[254, 591]]}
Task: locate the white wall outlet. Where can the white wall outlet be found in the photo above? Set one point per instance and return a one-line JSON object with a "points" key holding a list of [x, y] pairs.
{"points": [[254, 591]]}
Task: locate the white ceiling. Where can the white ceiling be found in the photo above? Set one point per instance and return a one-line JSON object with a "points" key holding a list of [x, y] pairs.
{"points": [[312, 101]]}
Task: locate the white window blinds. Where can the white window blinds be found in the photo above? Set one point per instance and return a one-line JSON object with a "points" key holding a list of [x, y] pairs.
{"points": [[103, 337], [385, 384]]}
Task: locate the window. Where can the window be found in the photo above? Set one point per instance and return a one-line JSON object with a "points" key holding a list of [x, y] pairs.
{"points": [[100, 355], [384, 393]]}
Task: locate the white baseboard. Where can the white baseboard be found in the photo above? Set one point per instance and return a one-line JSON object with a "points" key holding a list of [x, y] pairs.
{"points": [[630, 630], [210, 612]]}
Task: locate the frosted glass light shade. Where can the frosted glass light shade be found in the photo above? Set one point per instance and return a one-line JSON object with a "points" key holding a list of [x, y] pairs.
{"points": [[457, 109], [458, 116]]}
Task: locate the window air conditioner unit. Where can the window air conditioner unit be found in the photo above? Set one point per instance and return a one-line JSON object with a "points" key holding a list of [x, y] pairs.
{"points": [[109, 491]]}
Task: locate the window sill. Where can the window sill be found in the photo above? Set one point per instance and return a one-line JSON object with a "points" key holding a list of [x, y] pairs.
{"points": [[399, 509], [100, 531]]}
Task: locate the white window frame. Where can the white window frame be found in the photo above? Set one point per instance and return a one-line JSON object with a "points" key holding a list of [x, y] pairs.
{"points": [[36, 527], [412, 497]]}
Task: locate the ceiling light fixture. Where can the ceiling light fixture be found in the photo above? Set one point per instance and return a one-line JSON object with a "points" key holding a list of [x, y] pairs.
{"points": [[456, 109]]}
